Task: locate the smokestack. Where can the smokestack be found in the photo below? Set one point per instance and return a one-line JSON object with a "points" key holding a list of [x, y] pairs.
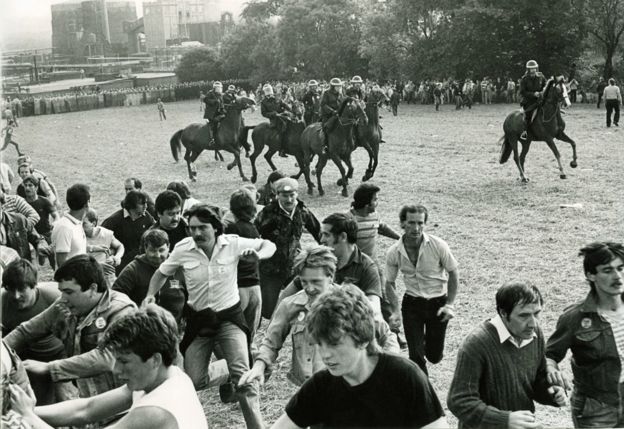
{"points": [[105, 21]]}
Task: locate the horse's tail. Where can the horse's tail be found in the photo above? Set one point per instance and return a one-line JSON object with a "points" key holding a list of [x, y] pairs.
{"points": [[176, 146], [506, 149], [243, 136]]}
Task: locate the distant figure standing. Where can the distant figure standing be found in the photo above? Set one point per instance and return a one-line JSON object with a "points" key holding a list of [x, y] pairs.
{"points": [[201, 100], [394, 102], [600, 90], [613, 99], [162, 113]]}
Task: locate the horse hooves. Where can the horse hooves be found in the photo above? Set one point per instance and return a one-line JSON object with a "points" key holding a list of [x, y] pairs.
{"points": [[310, 191], [573, 164], [253, 179], [563, 176], [345, 193], [313, 172], [245, 179], [193, 179], [321, 192], [246, 154], [229, 167], [339, 182]]}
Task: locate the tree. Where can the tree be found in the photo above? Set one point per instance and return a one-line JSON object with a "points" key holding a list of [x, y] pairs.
{"points": [[606, 24], [261, 10], [321, 37], [199, 64]]}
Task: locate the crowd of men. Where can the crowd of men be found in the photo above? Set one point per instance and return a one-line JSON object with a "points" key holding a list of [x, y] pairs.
{"points": [[78, 351]]}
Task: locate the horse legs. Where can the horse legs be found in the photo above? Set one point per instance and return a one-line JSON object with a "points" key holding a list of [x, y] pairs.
{"points": [[269, 158], [555, 151], [520, 159], [565, 138], [218, 156], [240, 167], [320, 165], [305, 169], [371, 160], [343, 180], [189, 164]]}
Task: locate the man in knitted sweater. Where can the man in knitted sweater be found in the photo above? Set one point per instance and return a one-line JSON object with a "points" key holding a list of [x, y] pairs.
{"points": [[501, 367]]}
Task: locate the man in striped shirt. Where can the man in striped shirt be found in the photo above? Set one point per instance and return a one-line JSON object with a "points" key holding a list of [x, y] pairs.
{"points": [[613, 99]]}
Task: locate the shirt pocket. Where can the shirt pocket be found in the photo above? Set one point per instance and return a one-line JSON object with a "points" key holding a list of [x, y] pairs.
{"points": [[222, 266], [299, 339]]}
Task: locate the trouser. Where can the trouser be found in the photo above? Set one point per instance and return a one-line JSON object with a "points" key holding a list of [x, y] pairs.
{"points": [[271, 284], [573, 95], [437, 101], [162, 115], [251, 304], [599, 100], [395, 109], [424, 331], [588, 412], [232, 343], [612, 106]]}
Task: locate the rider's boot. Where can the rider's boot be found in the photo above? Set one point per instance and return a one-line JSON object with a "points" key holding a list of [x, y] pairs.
{"points": [[215, 127], [325, 149], [282, 150]]}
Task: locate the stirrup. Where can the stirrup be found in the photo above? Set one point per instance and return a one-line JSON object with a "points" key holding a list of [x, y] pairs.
{"points": [[524, 135]]}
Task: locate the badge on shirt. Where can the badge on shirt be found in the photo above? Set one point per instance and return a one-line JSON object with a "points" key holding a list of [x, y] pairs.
{"points": [[586, 323], [100, 323], [301, 316]]}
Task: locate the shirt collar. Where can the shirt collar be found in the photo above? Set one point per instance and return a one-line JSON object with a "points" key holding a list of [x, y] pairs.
{"points": [[401, 242], [504, 334], [73, 219], [291, 214]]}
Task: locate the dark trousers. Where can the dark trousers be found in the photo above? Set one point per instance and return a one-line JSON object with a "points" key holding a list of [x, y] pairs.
{"points": [[599, 99], [271, 284], [424, 331], [612, 105]]}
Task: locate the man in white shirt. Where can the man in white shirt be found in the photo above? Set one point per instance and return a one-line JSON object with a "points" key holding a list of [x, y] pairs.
{"points": [[209, 261], [68, 237]]}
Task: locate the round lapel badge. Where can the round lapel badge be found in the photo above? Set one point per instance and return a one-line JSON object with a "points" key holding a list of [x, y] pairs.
{"points": [[586, 323], [301, 316], [100, 323]]}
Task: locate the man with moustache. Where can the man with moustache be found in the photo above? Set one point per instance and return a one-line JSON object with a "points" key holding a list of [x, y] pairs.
{"points": [[593, 330], [209, 260], [80, 318], [431, 279], [501, 366]]}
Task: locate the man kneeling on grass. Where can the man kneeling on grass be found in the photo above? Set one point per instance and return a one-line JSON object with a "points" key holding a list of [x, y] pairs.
{"points": [[361, 387], [157, 393]]}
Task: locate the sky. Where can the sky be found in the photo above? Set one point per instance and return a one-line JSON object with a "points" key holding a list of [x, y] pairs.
{"points": [[26, 24]]}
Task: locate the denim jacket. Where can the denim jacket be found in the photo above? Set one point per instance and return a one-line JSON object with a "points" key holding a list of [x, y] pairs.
{"points": [[595, 360], [290, 317], [91, 367]]}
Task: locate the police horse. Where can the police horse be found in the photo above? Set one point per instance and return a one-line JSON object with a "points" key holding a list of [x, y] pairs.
{"points": [[340, 142], [547, 125], [197, 137]]}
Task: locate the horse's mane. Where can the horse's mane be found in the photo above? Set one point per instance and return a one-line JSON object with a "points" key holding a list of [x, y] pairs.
{"points": [[346, 101], [549, 84]]}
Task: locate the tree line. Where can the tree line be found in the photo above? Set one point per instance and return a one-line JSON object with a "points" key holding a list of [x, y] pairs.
{"points": [[414, 39]]}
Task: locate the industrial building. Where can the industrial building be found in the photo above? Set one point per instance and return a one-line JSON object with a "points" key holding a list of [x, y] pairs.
{"points": [[81, 29]]}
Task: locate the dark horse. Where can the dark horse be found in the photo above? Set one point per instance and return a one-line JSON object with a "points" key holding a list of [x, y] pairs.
{"points": [[369, 135], [340, 143], [546, 126], [263, 135], [196, 138]]}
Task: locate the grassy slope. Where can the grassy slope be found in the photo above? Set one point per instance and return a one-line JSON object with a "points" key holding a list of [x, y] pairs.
{"points": [[498, 228]]}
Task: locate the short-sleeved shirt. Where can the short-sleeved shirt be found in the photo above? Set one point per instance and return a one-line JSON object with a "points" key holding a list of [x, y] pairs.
{"points": [[69, 237], [44, 209], [397, 394], [101, 237], [429, 277], [211, 283]]}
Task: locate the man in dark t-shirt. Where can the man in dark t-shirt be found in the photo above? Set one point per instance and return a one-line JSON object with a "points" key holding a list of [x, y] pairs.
{"points": [[354, 390], [169, 217]]}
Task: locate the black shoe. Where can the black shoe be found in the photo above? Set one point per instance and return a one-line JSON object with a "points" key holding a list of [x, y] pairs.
{"points": [[283, 154], [382, 141], [227, 393]]}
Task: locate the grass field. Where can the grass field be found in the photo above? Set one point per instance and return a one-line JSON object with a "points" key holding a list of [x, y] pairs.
{"points": [[498, 228]]}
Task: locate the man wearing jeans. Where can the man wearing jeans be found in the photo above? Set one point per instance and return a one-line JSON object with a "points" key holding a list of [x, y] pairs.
{"points": [[431, 278], [209, 261]]}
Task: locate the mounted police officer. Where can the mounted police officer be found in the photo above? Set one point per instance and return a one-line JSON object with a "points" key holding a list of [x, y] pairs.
{"points": [[311, 100], [215, 108], [274, 110], [230, 95], [355, 90], [330, 103], [531, 86], [378, 97]]}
